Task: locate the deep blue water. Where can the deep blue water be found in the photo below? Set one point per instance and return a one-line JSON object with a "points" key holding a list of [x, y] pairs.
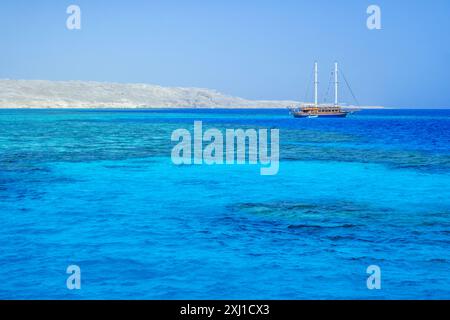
{"points": [[97, 188]]}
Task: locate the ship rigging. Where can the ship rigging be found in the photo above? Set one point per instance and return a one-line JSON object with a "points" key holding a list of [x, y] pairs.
{"points": [[316, 110]]}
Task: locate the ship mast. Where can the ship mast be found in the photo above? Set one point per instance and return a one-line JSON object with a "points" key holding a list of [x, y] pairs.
{"points": [[316, 82], [335, 84]]}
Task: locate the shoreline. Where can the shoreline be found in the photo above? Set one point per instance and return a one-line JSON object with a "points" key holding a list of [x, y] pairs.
{"points": [[177, 108], [44, 94]]}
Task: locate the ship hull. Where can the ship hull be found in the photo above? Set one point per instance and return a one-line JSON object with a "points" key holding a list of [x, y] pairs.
{"points": [[339, 115]]}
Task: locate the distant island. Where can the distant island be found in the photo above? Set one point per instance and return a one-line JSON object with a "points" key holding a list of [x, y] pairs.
{"points": [[89, 94]]}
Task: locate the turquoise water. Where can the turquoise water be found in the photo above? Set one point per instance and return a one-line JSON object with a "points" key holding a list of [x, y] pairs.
{"points": [[97, 189]]}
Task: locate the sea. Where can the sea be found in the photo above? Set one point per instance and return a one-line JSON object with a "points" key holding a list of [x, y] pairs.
{"points": [[98, 189]]}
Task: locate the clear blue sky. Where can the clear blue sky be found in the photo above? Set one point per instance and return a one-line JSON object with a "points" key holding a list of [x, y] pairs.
{"points": [[257, 49]]}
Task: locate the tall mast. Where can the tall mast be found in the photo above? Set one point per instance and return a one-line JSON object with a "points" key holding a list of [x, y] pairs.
{"points": [[336, 84], [316, 82]]}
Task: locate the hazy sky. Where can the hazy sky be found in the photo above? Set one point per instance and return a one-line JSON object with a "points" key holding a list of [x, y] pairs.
{"points": [[255, 49]]}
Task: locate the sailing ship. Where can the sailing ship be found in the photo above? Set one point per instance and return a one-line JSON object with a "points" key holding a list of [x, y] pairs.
{"points": [[316, 110]]}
